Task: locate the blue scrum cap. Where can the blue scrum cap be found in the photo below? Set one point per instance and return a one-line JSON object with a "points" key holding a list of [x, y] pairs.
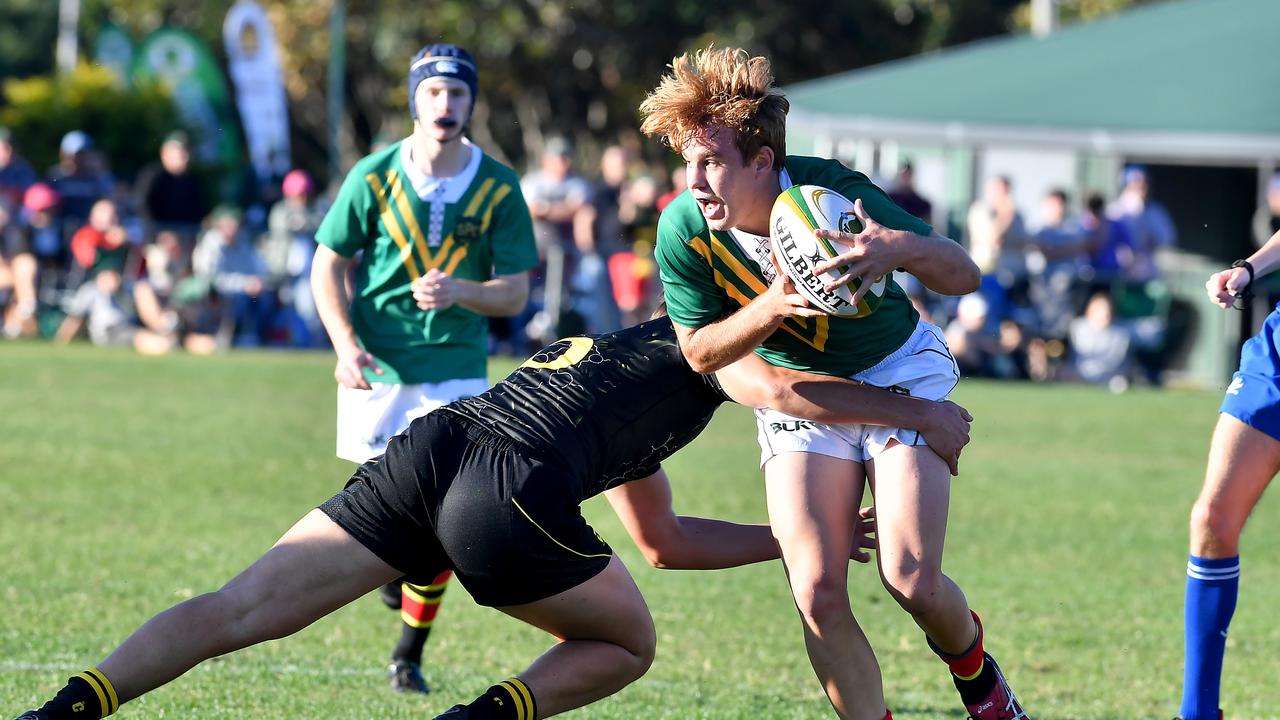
{"points": [[441, 60]]}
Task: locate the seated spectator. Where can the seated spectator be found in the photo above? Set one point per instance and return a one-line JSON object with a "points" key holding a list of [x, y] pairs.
{"points": [[16, 174], [102, 243], [163, 262], [17, 277], [39, 254], [998, 243], [115, 318], [80, 178], [1149, 225], [981, 349], [1055, 265], [170, 196], [1108, 244], [1101, 348], [227, 260], [287, 249]]}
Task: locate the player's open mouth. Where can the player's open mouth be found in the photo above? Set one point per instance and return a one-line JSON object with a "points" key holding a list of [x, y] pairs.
{"points": [[711, 208], [446, 122]]}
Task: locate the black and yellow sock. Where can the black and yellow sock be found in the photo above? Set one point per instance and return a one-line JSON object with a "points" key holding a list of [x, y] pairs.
{"points": [[508, 700], [86, 696]]}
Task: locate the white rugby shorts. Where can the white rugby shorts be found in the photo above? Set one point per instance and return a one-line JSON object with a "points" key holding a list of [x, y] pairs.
{"points": [[923, 367], [367, 419]]}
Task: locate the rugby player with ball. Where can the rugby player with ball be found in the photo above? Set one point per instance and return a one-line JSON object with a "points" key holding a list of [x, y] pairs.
{"points": [[718, 109]]}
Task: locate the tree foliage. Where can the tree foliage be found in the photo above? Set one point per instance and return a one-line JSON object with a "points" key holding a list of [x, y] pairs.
{"points": [[127, 123], [562, 67]]}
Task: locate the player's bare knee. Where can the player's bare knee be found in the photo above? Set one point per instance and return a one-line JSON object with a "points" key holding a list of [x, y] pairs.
{"points": [[640, 647], [821, 600], [916, 589], [1214, 529]]}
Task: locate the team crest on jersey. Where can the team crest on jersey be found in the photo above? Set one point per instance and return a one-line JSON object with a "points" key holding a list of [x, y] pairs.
{"points": [[466, 230]]}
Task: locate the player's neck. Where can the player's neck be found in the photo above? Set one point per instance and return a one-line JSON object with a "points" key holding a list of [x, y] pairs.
{"points": [[439, 159], [756, 220]]}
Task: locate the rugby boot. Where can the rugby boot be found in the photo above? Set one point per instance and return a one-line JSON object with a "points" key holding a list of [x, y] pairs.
{"points": [[457, 712], [999, 704], [406, 677], [389, 594]]}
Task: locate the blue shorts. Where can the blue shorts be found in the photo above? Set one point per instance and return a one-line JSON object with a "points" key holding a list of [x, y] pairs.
{"points": [[1253, 397]]}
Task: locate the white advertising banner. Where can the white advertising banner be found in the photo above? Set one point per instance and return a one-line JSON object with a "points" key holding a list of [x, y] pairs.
{"points": [[253, 63]]}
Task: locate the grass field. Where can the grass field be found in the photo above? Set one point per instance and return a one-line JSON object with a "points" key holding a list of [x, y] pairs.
{"points": [[129, 484]]}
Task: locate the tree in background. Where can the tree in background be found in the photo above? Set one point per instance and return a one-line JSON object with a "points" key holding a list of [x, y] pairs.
{"points": [[549, 67], [128, 124]]}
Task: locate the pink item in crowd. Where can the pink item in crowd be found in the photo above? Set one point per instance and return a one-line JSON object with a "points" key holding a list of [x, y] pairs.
{"points": [[297, 183], [39, 197]]}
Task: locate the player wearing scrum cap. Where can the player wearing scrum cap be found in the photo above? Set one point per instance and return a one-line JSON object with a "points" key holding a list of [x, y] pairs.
{"points": [[444, 240], [718, 109]]}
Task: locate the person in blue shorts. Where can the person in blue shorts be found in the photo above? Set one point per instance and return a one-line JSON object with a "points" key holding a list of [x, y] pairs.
{"points": [[1243, 458]]}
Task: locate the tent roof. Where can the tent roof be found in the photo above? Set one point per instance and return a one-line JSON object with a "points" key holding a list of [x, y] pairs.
{"points": [[1186, 78]]}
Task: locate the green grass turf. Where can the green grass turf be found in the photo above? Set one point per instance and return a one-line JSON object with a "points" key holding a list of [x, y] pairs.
{"points": [[131, 483]]}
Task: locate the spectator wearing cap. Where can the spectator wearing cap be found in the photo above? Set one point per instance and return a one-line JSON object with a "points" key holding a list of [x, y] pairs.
{"points": [[1149, 226], [447, 244], [170, 195], [79, 178], [228, 262], [16, 174], [288, 248], [559, 201], [39, 255]]}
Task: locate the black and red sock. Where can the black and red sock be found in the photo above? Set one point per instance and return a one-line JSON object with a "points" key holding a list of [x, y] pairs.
{"points": [[973, 675]]}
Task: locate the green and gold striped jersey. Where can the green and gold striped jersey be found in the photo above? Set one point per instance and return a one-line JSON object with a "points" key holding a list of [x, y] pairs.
{"points": [[708, 274], [484, 231]]}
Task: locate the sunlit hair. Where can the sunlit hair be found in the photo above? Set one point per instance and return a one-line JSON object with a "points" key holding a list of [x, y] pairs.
{"points": [[714, 88]]}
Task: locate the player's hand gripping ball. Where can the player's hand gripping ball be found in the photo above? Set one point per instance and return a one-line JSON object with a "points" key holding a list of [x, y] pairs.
{"points": [[799, 211]]}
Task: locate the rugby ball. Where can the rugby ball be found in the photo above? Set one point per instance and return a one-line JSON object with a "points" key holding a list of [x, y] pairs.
{"points": [[797, 213]]}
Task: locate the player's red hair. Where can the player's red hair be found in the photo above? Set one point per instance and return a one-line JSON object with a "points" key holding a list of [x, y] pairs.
{"points": [[719, 88]]}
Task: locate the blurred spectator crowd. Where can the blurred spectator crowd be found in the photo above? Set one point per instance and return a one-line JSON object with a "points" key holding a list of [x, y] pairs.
{"points": [[1076, 296], [148, 264], [1073, 294]]}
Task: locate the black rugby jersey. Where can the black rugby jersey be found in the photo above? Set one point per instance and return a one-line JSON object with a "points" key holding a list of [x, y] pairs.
{"points": [[610, 406]]}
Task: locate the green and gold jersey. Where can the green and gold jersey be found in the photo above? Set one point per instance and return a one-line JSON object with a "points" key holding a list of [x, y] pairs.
{"points": [[708, 274], [472, 233]]}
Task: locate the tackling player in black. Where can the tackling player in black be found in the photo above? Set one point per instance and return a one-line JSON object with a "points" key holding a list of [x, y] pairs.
{"points": [[490, 487]]}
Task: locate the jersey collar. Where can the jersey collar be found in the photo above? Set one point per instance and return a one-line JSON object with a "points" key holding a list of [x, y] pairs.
{"points": [[434, 189]]}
